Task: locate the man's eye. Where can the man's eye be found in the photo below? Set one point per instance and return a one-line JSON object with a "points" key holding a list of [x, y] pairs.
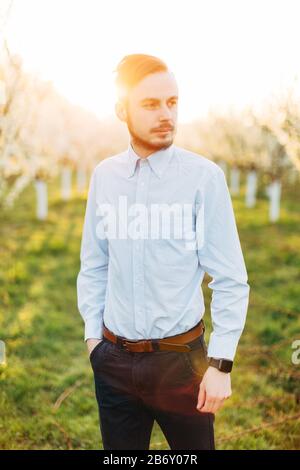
{"points": [[150, 105]]}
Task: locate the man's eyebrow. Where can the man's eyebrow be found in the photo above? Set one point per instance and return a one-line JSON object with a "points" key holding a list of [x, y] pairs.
{"points": [[145, 100], [156, 100]]}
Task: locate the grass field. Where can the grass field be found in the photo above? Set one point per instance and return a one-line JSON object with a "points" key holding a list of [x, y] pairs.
{"points": [[46, 390]]}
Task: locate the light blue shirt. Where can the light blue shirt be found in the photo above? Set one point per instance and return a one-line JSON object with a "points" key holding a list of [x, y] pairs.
{"points": [[144, 287]]}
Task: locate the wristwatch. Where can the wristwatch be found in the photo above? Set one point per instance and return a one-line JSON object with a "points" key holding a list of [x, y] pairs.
{"points": [[223, 365]]}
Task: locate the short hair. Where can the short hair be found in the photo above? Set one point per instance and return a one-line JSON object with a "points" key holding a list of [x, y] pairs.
{"points": [[133, 68]]}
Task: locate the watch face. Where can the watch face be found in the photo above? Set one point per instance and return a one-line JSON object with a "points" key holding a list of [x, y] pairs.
{"points": [[225, 365]]}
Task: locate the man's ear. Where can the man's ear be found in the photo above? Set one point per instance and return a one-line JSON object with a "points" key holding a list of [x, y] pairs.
{"points": [[121, 111]]}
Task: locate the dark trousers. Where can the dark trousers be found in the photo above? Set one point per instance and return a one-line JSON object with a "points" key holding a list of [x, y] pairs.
{"points": [[134, 389]]}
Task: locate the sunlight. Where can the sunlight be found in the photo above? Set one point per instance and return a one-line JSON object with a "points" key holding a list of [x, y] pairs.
{"points": [[223, 53]]}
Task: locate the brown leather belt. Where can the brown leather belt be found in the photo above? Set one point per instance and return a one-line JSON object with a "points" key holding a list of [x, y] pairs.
{"points": [[172, 343]]}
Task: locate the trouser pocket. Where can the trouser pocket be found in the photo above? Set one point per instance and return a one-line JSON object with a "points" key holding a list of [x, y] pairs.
{"points": [[96, 349], [196, 359]]}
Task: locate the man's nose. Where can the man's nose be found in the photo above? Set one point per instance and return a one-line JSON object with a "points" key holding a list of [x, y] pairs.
{"points": [[165, 113]]}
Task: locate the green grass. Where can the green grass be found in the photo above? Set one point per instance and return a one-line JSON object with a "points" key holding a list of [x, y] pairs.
{"points": [[46, 354]]}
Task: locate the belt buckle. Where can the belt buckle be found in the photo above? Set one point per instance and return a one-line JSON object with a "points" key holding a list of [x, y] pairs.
{"points": [[148, 345]]}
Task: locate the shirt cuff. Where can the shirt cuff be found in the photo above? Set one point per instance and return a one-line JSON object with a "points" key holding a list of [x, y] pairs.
{"points": [[93, 328], [222, 346]]}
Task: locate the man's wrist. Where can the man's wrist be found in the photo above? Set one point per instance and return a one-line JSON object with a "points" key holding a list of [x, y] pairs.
{"points": [[223, 365]]}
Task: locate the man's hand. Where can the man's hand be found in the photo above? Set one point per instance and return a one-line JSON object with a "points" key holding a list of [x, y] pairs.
{"points": [[92, 343], [215, 388]]}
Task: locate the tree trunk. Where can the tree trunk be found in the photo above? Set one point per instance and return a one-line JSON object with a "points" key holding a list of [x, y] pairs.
{"points": [[251, 188], [42, 199], [66, 183], [274, 193], [235, 181], [81, 180]]}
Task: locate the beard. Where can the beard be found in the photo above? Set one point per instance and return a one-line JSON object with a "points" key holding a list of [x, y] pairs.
{"points": [[142, 142]]}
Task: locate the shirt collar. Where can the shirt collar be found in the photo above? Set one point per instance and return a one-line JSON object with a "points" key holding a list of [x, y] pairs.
{"points": [[158, 160]]}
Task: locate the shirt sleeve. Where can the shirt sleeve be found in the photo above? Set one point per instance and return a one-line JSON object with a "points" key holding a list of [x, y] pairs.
{"points": [[220, 255], [92, 277]]}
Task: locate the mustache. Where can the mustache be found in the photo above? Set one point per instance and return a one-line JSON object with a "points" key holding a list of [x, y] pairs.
{"points": [[164, 128]]}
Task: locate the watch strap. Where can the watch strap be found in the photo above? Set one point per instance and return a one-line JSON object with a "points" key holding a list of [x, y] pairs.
{"points": [[223, 365]]}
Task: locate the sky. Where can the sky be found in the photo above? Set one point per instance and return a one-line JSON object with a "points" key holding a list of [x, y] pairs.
{"points": [[224, 53]]}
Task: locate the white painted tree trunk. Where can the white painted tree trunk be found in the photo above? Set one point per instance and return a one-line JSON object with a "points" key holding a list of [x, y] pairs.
{"points": [[251, 188], [81, 180], [66, 183], [234, 181], [2, 353], [274, 194], [42, 199], [223, 165]]}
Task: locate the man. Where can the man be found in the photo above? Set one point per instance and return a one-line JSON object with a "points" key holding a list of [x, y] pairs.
{"points": [[140, 295]]}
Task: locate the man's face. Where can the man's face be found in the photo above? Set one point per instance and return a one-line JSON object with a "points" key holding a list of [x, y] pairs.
{"points": [[151, 111]]}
